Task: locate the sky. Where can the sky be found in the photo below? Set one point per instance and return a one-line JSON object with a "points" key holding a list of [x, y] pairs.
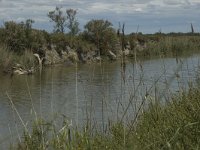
{"points": [[150, 15]]}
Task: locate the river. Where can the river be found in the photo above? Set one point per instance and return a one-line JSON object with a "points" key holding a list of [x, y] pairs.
{"points": [[95, 91]]}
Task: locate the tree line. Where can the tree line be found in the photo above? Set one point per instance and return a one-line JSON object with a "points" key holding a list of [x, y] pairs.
{"points": [[98, 35]]}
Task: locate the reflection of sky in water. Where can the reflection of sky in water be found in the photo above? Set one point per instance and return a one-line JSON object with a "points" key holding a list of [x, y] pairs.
{"points": [[97, 85]]}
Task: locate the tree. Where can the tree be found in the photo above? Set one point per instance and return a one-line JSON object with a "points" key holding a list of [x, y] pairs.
{"points": [[28, 31], [62, 20], [14, 36], [19, 37], [102, 34], [59, 19], [72, 22]]}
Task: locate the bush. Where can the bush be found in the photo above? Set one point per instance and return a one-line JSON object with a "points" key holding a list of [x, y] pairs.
{"points": [[101, 33], [15, 37], [18, 37]]}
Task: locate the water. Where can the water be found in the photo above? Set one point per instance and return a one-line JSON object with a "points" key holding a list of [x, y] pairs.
{"points": [[102, 94]]}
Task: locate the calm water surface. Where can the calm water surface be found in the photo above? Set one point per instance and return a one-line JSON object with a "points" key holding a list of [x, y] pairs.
{"points": [[95, 91]]}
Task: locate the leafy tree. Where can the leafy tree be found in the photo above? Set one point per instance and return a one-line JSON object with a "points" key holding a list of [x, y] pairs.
{"points": [[63, 20], [102, 34], [59, 19], [60, 42], [20, 36], [28, 31], [72, 21], [14, 36]]}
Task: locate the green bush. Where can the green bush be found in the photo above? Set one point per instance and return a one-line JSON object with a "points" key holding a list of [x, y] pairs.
{"points": [[18, 37], [15, 36], [101, 33]]}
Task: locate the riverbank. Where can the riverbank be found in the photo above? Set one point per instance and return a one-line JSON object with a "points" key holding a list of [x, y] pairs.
{"points": [[25, 49], [140, 47], [173, 126]]}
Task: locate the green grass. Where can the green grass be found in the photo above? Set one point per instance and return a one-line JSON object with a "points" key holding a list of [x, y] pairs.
{"points": [[170, 46], [175, 125], [8, 59]]}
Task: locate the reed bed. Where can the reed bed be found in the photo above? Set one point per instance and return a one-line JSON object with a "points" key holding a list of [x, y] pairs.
{"points": [[170, 46]]}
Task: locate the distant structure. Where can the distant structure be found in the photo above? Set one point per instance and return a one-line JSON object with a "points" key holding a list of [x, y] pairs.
{"points": [[160, 31], [192, 28]]}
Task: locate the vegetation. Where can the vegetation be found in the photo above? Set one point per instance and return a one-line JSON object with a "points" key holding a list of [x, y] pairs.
{"points": [[19, 37], [73, 23], [59, 19], [164, 45], [63, 20], [173, 126], [99, 38], [102, 34], [9, 59]]}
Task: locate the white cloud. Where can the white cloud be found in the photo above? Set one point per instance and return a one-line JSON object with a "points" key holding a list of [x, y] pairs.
{"points": [[114, 10], [176, 2]]}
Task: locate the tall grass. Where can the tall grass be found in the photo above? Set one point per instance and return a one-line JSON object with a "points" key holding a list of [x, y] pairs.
{"points": [[171, 46], [8, 59], [173, 126]]}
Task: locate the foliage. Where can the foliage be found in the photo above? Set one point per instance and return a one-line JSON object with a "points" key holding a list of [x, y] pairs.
{"points": [[59, 19], [173, 126], [59, 40], [8, 59], [98, 38], [163, 45], [102, 34], [64, 42], [15, 36], [18, 37], [72, 22], [62, 20]]}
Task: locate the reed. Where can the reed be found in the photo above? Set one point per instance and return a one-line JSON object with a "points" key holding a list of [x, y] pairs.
{"points": [[9, 59], [174, 125], [170, 46]]}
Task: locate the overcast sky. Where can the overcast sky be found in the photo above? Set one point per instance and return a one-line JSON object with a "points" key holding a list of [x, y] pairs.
{"points": [[150, 15]]}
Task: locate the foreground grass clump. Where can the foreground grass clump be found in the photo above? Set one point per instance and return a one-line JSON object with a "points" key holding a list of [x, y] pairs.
{"points": [[8, 59], [173, 126]]}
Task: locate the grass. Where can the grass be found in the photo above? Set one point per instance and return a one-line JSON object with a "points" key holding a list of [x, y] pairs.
{"points": [[174, 125], [8, 59], [170, 46]]}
